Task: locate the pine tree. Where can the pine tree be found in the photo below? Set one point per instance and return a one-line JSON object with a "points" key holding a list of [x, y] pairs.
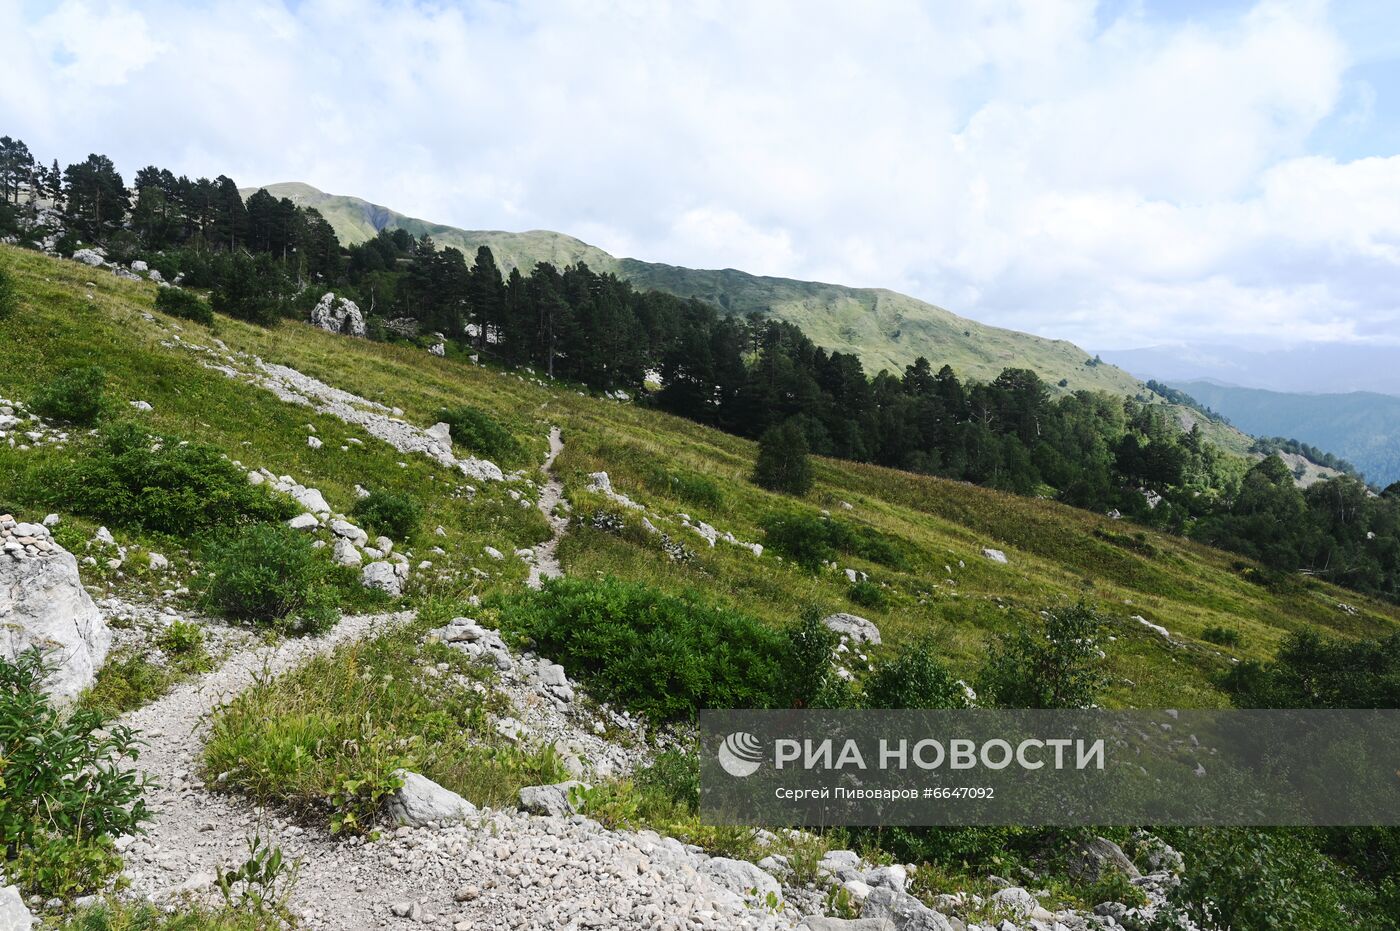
{"points": [[782, 460], [97, 198]]}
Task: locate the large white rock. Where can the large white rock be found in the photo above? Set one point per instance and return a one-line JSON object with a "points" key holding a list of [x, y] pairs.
{"points": [[852, 626], [88, 257], [43, 604], [903, 911], [338, 315], [13, 915], [381, 575], [994, 555], [741, 877], [554, 801], [421, 801]]}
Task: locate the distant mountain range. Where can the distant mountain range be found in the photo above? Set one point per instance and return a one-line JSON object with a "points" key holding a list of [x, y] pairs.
{"points": [[1318, 367], [1362, 427], [886, 329]]}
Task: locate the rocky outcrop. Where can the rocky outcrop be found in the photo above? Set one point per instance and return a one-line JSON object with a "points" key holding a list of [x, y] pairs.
{"points": [[43, 605], [89, 257], [853, 627], [338, 315], [420, 801], [13, 915]]}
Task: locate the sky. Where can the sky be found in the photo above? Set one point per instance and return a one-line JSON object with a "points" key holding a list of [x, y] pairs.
{"points": [[1122, 173]]}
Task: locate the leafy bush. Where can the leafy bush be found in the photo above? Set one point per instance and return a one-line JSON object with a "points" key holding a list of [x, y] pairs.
{"points": [[659, 654], [811, 539], [184, 304], [1224, 636], [478, 432], [269, 575], [916, 678], [67, 788], [389, 513], [1056, 664], [126, 682], [118, 916], [1250, 879], [137, 479], [867, 594], [75, 397], [1313, 672], [782, 463], [1113, 885], [809, 678]]}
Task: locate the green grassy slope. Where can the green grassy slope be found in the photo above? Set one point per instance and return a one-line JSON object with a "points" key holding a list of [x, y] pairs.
{"points": [[944, 586]]}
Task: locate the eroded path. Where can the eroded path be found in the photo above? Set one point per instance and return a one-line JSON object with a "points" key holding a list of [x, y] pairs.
{"points": [[546, 565]]}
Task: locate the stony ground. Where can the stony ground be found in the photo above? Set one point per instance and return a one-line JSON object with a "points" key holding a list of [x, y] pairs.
{"points": [[504, 870]]}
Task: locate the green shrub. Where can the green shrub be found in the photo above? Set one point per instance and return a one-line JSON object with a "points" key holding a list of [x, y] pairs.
{"points": [[867, 594], [1113, 885], [1253, 879], [132, 478], [811, 539], [782, 463], [184, 304], [269, 575], [389, 513], [916, 678], [1224, 636], [125, 682], [120, 916], [809, 678], [480, 433], [67, 786], [659, 654], [1311, 671], [1056, 663], [75, 397]]}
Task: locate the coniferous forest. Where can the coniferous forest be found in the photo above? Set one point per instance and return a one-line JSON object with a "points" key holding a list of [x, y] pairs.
{"points": [[264, 259]]}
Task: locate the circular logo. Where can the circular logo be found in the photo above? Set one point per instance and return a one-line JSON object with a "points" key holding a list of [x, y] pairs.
{"points": [[740, 754]]}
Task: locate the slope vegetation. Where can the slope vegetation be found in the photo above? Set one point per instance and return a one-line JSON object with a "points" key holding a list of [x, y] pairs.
{"points": [[929, 566]]}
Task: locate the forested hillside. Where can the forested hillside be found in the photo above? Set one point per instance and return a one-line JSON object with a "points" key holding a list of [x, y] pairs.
{"points": [[1361, 427]]}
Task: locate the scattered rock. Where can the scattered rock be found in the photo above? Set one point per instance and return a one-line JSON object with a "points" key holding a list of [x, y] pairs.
{"points": [[553, 801], [420, 801], [13, 914], [741, 878], [853, 627], [381, 575], [994, 555]]}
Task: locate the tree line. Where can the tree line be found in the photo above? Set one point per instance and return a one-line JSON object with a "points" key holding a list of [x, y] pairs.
{"points": [[266, 258]]}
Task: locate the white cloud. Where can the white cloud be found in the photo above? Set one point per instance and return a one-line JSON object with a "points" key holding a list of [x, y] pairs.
{"points": [[1019, 161]]}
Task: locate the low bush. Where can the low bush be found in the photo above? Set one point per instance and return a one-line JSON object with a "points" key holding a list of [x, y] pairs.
{"points": [[269, 575], [119, 916], [481, 434], [74, 397], [916, 678], [132, 478], [389, 513], [187, 305], [1055, 663], [67, 787], [1311, 671], [1224, 636], [130, 680], [867, 594], [659, 654], [811, 539]]}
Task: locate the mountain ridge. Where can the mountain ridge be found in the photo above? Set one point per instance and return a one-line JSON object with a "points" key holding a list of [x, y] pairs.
{"points": [[887, 329]]}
